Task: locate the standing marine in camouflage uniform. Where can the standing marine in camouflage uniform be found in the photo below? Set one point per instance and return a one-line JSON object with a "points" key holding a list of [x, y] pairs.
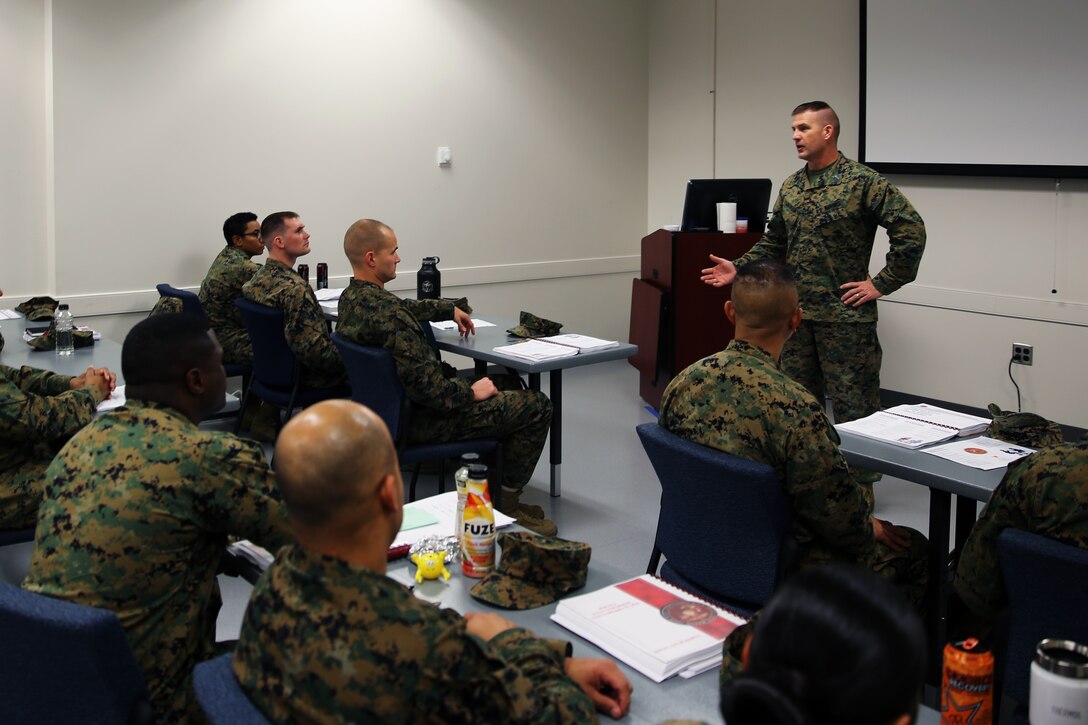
{"points": [[231, 269], [446, 408], [277, 285], [138, 506], [39, 410], [823, 227], [1045, 493], [361, 647]]}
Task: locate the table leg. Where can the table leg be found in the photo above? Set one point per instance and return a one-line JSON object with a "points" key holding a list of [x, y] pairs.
{"points": [[940, 514], [556, 452]]}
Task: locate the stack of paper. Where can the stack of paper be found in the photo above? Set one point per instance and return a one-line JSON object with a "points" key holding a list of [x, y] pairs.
{"points": [[536, 350], [653, 626], [964, 424], [890, 428], [583, 343], [554, 347]]}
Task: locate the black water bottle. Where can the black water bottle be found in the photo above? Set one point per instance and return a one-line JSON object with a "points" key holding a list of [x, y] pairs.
{"points": [[322, 275], [304, 272], [429, 280]]}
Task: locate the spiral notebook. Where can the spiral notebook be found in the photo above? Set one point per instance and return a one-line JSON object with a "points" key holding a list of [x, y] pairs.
{"points": [[915, 426], [655, 627]]}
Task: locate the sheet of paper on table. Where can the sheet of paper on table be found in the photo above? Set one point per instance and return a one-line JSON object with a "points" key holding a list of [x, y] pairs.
{"points": [[451, 325], [982, 452]]}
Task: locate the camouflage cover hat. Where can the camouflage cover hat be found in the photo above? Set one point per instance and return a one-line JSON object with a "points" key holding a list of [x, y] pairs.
{"points": [[37, 309], [533, 571], [48, 339], [533, 326], [1024, 429]]}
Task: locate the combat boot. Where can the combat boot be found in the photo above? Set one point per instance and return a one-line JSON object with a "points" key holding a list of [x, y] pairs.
{"points": [[527, 515]]}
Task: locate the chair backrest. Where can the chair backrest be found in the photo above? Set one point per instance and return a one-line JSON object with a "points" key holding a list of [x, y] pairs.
{"points": [[220, 695], [725, 523], [374, 382], [190, 303], [63, 662], [1046, 582], [273, 362]]}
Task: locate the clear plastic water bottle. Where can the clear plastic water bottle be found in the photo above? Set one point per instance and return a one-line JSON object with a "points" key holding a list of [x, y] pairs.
{"points": [[461, 480], [62, 331]]}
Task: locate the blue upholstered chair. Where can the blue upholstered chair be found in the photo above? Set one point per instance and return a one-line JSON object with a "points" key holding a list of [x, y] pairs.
{"points": [[276, 371], [62, 662], [724, 526], [190, 305], [375, 384], [221, 697], [1046, 582]]}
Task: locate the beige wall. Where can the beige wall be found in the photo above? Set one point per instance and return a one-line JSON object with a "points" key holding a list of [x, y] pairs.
{"points": [[166, 117], [136, 126], [997, 247]]}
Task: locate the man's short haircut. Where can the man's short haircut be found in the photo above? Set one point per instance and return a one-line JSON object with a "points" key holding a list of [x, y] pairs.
{"points": [[764, 293], [235, 225], [319, 489], [818, 106], [363, 236], [274, 224], [163, 348]]}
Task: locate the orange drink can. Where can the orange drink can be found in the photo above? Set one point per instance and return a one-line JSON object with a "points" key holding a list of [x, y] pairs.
{"points": [[967, 684]]}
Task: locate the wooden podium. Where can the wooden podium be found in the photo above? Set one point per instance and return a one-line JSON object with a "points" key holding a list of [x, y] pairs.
{"points": [[676, 319]]}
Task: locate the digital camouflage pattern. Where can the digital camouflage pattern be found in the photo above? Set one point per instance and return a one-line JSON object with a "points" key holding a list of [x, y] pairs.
{"points": [[277, 285], [1045, 493], [326, 641], [738, 401], [231, 269], [823, 357], [529, 325], [134, 519], [445, 409], [534, 571], [38, 411], [824, 230], [1024, 429], [38, 309], [48, 339], [166, 306]]}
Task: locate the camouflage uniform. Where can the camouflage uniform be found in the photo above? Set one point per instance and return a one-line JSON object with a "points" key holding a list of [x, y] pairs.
{"points": [[135, 516], [222, 285], [370, 315], [326, 641], [38, 411], [823, 228], [277, 285], [738, 401], [1045, 493]]}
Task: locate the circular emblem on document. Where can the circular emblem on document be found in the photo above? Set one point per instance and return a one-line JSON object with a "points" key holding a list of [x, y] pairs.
{"points": [[977, 451], [694, 613]]}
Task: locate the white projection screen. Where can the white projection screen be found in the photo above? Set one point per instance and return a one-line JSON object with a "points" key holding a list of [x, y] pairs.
{"points": [[976, 87]]}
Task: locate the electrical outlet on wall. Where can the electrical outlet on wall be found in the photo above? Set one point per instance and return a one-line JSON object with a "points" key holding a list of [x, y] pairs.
{"points": [[1022, 353]]}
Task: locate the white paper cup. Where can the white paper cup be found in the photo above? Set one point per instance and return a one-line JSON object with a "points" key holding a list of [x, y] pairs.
{"points": [[727, 217]]}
